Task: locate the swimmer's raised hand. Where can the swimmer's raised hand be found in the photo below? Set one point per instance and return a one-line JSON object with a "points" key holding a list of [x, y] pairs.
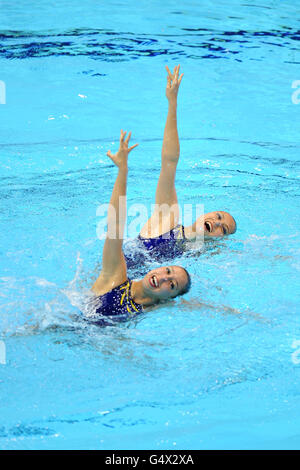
{"points": [[120, 158], [173, 83]]}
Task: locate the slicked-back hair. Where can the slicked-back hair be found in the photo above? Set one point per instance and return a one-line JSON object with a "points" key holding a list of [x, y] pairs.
{"points": [[188, 284]]}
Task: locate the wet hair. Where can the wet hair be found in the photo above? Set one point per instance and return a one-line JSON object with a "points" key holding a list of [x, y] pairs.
{"points": [[234, 223], [188, 284]]}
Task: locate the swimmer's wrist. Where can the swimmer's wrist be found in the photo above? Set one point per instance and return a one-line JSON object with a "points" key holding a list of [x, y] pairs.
{"points": [[123, 167], [173, 101]]}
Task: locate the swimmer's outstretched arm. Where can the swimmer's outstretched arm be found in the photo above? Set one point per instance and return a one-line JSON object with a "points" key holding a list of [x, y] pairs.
{"points": [[170, 148], [114, 271], [165, 191]]}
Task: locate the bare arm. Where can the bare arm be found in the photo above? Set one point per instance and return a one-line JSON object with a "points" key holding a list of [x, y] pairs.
{"points": [[114, 270], [163, 221]]}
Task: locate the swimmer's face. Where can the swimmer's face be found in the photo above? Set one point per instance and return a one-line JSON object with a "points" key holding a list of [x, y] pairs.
{"points": [[165, 282], [215, 224]]}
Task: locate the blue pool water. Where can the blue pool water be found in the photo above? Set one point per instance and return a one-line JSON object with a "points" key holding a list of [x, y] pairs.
{"points": [[219, 368]]}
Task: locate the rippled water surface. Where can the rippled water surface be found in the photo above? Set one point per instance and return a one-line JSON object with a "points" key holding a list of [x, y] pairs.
{"points": [[218, 368]]}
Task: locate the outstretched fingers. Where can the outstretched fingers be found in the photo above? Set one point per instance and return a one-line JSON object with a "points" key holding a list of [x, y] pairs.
{"points": [[128, 137], [172, 78], [122, 136], [131, 148], [126, 141], [176, 79]]}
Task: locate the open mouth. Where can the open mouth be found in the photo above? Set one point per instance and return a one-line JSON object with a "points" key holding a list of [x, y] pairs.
{"points": [[153, 281], [208, 226]]}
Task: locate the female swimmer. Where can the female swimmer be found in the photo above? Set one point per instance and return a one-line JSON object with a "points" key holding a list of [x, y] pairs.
{"points": [[116, 295], [162, 235]]}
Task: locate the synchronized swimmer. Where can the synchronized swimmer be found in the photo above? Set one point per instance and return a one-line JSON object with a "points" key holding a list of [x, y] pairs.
{"points": [[116, 294], [162, 235]]}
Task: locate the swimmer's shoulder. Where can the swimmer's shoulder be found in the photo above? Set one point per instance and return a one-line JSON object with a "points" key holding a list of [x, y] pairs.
{"points": [[152, 230], [104, 284]]}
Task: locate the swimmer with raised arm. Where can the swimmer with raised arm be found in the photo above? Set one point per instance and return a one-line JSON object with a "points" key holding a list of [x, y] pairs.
{"points": [[162, 233], [116, 294]]}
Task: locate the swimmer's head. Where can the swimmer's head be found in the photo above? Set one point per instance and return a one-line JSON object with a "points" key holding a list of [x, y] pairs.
{"points": [[166, 282], [215, 224]]}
